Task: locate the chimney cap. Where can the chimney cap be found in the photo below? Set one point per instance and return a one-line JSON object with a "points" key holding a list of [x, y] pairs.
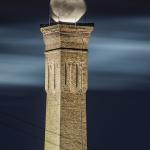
{"points": [[66, 23]]}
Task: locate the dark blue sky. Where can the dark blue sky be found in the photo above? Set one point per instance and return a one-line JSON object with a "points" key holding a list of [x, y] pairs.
{"points": [[119, 75]]}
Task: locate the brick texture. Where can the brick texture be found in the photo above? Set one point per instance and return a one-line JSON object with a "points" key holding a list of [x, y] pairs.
{"points": [[66, 84]]}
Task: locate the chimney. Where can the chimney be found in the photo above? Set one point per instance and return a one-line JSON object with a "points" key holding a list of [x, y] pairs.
{"points": [[66, 84]]}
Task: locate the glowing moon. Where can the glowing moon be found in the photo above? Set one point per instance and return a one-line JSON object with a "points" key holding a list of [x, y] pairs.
{"points": [[68, 10]]}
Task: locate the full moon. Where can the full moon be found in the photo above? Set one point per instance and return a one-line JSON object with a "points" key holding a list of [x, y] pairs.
{"points": [[68, 10]]}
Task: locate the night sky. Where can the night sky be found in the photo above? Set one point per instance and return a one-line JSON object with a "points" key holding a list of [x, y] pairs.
{"points": [[119, 76]]}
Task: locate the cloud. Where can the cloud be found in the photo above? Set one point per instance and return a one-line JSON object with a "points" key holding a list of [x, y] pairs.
{"points": [[120, 46], [119, 54], [21, 70], [21, 39]]}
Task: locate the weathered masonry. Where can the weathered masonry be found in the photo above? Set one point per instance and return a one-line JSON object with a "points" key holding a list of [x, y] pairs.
{"points": [[66, 84]]}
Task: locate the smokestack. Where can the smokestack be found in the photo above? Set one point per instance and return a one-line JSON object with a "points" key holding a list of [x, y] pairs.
{"points": [[66, 77], [66, 84]]}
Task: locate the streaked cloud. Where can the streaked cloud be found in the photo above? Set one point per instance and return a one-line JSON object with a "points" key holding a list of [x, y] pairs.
{"points": [[21, 70], [119, 54]]}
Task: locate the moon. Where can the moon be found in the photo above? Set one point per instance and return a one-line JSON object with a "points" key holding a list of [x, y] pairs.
{"points": [[68, 10]]}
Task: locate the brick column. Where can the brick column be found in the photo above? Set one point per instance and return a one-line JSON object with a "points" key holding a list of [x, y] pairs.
{"points": [[66, 83]]}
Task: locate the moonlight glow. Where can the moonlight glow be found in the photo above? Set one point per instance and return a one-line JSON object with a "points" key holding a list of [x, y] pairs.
{"points": [[68, 10]]}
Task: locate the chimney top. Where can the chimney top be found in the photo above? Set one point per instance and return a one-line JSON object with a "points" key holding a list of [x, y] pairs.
{"points": [[67, 36]]}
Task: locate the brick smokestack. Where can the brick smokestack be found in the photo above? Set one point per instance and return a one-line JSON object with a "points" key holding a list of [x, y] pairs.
{"points": [[66, 84]]}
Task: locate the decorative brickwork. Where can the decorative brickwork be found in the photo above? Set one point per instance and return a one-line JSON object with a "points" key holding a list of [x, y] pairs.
{"points": [[66, 83]]}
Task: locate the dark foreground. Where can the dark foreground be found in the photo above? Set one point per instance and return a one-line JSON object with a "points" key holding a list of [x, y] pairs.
{"points": [[117, 120]]}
